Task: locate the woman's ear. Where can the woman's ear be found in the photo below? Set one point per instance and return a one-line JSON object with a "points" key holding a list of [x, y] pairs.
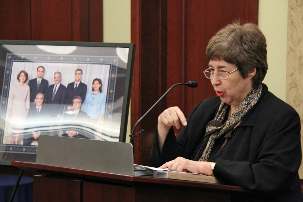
{"points": [[252, 73]]}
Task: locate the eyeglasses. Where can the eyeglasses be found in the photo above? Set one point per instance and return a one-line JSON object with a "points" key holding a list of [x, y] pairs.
{"points": [[221, 74]]}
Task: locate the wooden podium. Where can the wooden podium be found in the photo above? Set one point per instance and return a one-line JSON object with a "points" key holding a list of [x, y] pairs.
{"points": [[53, 183]]}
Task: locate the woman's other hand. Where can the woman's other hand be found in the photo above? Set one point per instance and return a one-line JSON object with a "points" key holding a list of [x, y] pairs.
{"points": [[181, 164]]}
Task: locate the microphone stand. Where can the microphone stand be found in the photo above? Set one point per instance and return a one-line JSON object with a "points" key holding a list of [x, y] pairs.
{"points": [[13, 193], [132, 135]]}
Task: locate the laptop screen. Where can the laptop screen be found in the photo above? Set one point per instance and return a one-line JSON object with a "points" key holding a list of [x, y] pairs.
{"points": [[71, 89]]}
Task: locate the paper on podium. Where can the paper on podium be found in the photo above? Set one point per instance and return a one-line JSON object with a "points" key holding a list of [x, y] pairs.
{"points": [[141, 170], [142, 167]]}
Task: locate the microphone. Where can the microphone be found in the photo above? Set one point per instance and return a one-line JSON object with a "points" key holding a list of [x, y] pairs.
{"points": [[190, 83]]}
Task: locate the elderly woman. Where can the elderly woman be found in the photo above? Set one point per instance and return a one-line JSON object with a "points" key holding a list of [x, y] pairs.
{"points": [[245, 135]]}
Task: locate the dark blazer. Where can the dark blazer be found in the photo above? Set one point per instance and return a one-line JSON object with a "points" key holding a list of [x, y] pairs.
{"points": [[73, 119], [71, 92], [27, 141], [262, 156], [33, 113], [59, 97], [34, 88], [79, 116], [35, 116]]}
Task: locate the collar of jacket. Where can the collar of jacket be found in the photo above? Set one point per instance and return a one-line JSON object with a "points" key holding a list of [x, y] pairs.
{"points": [[251, 117]]}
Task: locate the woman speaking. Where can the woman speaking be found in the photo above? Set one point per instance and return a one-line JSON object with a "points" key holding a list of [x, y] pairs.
{"points": [[244, 136]]}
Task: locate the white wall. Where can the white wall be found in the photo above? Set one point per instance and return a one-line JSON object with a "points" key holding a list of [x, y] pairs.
{"points": [[273, 16], [116, 21]]}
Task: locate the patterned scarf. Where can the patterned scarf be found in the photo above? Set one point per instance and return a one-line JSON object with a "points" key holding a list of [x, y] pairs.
{"points": [[217, 127]]}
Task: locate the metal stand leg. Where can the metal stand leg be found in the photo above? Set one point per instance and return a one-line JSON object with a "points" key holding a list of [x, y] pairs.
{"points": [[12, 197]]}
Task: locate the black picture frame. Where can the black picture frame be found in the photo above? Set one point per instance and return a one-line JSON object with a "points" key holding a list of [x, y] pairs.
{"points": [[110, 61]]}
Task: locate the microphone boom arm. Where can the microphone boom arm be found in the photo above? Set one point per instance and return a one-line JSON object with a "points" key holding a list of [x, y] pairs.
{"points": [[144, 115]]}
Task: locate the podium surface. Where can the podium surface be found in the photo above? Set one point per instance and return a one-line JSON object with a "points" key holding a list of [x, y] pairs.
{"points": [[68, 184]]}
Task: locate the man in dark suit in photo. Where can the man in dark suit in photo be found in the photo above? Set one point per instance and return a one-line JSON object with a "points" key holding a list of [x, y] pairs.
{"points": [[38, 84], [76, 88], [56, 92], [37, 113], [37, 109], [74, 115]]}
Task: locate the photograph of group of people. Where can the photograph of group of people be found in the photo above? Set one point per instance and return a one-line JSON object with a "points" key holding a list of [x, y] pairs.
{"points": [[41, 94]]}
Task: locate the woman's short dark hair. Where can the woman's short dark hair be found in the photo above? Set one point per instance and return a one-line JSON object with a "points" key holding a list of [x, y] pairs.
{"points": [[100, 82], [25, 73], [241, 45]]}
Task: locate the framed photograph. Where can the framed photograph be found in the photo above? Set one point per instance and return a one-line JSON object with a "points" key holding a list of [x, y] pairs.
{"points": [[73, 89]]}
